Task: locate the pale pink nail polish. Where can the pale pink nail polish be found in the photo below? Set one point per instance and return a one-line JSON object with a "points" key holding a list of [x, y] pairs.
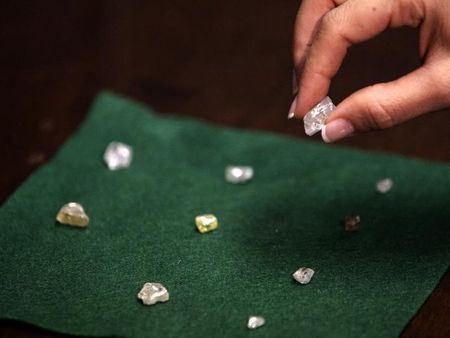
{"points": [[292, 109], [336, 130]]}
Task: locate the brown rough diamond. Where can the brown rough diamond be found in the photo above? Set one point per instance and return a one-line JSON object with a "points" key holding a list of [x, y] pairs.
{"points": [[352, 223]]}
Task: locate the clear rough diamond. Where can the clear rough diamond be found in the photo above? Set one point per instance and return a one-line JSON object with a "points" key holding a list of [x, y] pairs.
{"points": [[352, 223], [238, 174], [255, 321], [152, 293], [118, 155], [303, 275], [73, 214], [315, 119], [384, 185]]}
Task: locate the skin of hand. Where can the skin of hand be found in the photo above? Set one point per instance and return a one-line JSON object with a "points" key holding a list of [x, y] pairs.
{"points": [[325, 29]]}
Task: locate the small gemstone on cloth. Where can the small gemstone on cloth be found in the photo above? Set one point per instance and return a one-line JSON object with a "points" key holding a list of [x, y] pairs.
{"points": [[316, 118], [303, 275], [384, 185], [118, 156], [206, 223], [255, 321], [352, 223], [238, 174], [152, 293], [73, 214]]}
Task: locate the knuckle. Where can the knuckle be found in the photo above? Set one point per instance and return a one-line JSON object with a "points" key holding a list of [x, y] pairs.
{"points": [[441, 95], [329, 22], [381, 114], [332, 24], [442, 89], [446, 96]]}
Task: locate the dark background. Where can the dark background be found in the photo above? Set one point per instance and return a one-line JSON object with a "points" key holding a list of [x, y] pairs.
{"points": [[224, 61]]}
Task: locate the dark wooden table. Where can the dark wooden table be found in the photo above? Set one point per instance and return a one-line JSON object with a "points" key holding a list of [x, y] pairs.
{"points": [[222, 61]]}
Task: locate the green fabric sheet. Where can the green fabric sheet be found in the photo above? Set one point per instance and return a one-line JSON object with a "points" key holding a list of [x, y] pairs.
{"points": [[85, 282]]}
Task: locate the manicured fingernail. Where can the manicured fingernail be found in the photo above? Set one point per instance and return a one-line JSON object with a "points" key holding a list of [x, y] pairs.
{"points": [[292, 109], [336, 130], [294, 82]]}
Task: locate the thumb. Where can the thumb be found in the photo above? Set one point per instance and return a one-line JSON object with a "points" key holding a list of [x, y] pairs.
{"points": [[384, 105]]}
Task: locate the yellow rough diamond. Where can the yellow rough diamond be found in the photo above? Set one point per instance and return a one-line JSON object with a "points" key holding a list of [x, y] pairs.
{"points": [[206, 223], [73, 214]]}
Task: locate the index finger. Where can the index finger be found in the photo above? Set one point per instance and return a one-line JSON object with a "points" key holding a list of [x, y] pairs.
{"points": [[308, 15]]}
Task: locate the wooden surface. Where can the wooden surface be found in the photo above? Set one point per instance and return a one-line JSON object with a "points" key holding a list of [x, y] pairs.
{"points": [[222, 61]]}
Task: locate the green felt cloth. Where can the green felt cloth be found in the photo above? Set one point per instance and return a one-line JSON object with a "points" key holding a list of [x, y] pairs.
{"points": [[367, 284]]}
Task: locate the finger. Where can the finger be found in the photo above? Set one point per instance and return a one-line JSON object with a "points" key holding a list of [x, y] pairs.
{"points": [[387, 104], [352, 22], [308, 15]]}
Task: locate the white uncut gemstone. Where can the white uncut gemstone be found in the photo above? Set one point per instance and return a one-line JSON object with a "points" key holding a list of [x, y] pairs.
{"points": [[152, 293], [255, 321], [238, 174], [303, 275], [118, 155], [73, 214], [384, 185], [315, 119]]}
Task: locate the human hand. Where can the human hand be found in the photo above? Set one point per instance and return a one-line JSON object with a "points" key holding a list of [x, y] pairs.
{"points": [[325, 29]]}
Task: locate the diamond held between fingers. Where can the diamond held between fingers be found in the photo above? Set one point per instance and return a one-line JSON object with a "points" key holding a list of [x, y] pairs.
{"points": [[303, 275], [118, 155], [73, 214], [152, 293], [316, 118]]}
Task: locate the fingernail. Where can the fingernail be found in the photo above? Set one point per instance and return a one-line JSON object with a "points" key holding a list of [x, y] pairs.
{"points": [[294, 82], [292, 109], [336, 130]]}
